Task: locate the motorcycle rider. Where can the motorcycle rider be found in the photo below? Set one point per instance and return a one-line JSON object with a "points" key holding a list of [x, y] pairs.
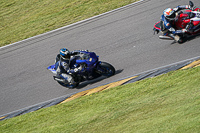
{"points": [[168, 21], [64, 68]]}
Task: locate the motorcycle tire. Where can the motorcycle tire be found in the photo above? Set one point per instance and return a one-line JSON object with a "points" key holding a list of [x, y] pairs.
{"points": [[106, 69], [68, 86]]}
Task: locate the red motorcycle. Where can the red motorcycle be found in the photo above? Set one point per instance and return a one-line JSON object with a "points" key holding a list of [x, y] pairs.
{"points": [[183, 18]]}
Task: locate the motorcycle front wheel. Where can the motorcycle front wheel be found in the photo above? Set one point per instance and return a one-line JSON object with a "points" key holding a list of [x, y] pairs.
{"points": [[106, 69]]}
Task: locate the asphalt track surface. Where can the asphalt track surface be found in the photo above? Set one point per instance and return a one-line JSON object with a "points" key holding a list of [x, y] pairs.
{"points": [[123, 38]]}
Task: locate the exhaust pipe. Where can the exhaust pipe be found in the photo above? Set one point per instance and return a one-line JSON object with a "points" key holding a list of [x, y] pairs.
{"points": [[58, 79], [165, 38]]}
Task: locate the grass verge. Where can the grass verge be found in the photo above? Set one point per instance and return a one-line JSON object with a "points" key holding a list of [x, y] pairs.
{"points": [[21, 19], [166, 103]]}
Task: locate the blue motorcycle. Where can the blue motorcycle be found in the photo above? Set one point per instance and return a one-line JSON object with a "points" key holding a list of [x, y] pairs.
{"points": [[93, 68]]}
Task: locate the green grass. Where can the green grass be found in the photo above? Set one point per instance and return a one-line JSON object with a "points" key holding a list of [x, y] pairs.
{"points": [[21, 19], [167, 103]]}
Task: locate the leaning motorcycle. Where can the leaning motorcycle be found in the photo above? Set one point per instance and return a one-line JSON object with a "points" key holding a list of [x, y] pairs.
{"points": [[93, 68], [182, 19]]}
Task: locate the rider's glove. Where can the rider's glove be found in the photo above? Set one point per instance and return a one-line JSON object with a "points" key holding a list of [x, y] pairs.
{"points": [[81, 68], [71, 71], [76, 70], [191, 8]]}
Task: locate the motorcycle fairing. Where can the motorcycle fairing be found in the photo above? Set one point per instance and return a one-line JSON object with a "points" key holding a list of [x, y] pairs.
{"points": [[89, 59], [157, 26], [186, 17], [52, 69]]}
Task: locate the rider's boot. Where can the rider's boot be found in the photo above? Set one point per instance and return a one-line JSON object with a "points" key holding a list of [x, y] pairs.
{"points": [[178, 39]]}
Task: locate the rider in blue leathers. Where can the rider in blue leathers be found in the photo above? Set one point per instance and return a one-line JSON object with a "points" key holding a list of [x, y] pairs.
{"points": [[168, 21], [65, 65]]}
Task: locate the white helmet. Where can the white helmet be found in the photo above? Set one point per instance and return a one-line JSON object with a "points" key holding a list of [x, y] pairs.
{"points": [[169, 13]]}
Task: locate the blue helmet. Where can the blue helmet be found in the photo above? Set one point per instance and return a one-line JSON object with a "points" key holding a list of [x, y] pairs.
{"points": [[65, 54]]}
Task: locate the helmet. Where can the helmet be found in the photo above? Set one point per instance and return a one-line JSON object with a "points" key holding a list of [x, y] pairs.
{"points": [[65, 54], [169, 13]]}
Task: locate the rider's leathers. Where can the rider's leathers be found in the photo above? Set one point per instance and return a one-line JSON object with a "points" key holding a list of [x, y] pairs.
{"points": [[167, 26], [65, 69]]}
